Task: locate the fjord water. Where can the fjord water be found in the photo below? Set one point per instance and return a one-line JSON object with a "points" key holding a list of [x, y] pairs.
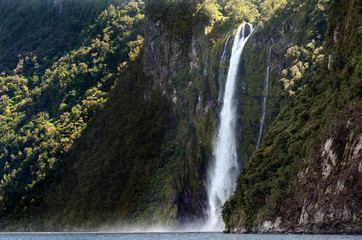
{"points": [[223, 172], [169, 236]]}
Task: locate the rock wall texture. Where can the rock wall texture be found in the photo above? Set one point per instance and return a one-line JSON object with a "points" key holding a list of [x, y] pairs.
{"points": [[306, 175], [162, 57], [331, 196]]}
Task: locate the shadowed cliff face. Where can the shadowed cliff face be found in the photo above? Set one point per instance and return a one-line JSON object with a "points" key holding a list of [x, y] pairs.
{"points": [[171, 63], [127, 122], [162, 57]]}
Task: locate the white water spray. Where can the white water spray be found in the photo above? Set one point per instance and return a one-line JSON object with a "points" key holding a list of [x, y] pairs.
{"points": [[265, 93], [221, 69], [223, 172]]}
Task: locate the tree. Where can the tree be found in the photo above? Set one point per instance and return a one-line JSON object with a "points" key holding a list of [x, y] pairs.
{"points": [[242, 10]]}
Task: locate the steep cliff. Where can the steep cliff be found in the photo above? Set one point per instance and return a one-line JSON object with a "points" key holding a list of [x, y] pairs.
{"points": [[124, 130], [306, 174], [117, 127], [45, 28]]}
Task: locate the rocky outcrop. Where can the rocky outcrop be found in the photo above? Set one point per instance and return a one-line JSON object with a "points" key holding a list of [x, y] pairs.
{"points": [[331, 196], [172, 63], [161, 58], [327, 196], [306, 175]]}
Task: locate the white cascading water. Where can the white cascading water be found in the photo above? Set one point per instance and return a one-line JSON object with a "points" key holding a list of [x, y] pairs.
{"points": [[223, 173], [265, 93], [221, 69]]}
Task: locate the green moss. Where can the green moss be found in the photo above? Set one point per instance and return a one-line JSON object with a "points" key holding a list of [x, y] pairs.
{"points": [[267, 186]]}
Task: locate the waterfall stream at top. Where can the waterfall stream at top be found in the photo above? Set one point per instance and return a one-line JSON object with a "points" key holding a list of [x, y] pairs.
{"points": [[221, 68], [224, 170]]}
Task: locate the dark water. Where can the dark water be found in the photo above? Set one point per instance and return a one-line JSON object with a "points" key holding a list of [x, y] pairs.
{"points": [[169, 236]]}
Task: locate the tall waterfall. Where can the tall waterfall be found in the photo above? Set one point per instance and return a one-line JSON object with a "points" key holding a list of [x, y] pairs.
{"points": [[221, 68], [223, 173], [265, 93]]}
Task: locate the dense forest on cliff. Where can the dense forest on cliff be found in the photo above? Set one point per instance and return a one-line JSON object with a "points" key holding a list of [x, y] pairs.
{"points": [[108, 112], [312, 147]]}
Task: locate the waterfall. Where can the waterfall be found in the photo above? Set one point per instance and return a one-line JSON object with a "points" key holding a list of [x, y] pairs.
{"points": [[223, 172], [221, 69], [265, 93]]}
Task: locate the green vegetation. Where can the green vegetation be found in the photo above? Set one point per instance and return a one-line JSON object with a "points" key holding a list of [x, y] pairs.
{"points": [[221, 14], [44, 29], [83, 144], [80, 140], [316, 100], [42, 116]]}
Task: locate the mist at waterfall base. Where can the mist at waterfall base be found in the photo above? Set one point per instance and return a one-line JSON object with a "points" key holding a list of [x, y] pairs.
{"points": [[221, 176], [224, 170], [168, 236]]}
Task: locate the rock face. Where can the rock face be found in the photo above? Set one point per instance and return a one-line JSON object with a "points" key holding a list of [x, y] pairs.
{"points": [[162, 57], [150, 159], [306, 175], [169, 59], [269, 226], [331, 196]]}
